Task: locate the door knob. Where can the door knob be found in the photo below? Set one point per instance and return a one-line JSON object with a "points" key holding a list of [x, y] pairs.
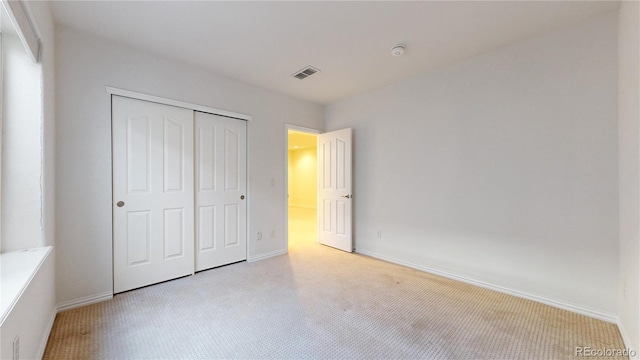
{"points": [[120, 203], [348, 196], [241, 197]]}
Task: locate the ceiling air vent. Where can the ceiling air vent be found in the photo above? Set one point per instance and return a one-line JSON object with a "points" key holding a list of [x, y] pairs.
{"points": [[305, 73]]}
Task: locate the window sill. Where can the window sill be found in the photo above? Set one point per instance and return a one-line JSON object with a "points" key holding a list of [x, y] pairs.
{"points": [[17, 270]]}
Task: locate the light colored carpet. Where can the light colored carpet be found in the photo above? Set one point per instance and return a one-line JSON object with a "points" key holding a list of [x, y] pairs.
{"points": [[317, 302]]}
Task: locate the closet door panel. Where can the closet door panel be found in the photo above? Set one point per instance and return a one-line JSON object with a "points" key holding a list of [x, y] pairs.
{"points": [[221, 167], [153, 187]]}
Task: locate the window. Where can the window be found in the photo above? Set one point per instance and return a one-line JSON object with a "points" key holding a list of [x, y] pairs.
{"points": [[21, 124], [21, 162]]}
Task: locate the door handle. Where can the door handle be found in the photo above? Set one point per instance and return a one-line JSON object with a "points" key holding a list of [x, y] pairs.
{"points": [[348, 196], [120, 203]]}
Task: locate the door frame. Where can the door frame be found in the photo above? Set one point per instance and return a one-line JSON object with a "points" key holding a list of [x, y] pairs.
{"points": [[303, 129], [182, 104]]}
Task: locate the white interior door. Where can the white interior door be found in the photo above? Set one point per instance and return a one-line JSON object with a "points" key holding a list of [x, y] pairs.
{"points": [[153, 186], [221, 183], [334, 189]]}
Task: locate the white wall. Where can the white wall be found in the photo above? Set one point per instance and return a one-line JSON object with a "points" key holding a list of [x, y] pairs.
{"points": [[501, 169], [629, 163], [85, 65], [303, 178]]}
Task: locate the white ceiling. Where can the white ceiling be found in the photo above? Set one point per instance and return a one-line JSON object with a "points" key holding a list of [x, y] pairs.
{"points": [[264, 42]]}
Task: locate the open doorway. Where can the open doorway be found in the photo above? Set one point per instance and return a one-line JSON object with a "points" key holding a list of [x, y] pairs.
{"points": [[302, 187]]}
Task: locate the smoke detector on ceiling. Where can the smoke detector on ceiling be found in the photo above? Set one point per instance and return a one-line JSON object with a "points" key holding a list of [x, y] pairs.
{"points": [[306, 72], [397, 50]]}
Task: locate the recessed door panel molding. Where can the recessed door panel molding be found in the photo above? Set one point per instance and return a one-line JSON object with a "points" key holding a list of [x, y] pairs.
{"points": [[231, 224], [341, 207], [326, 166], [206, 154], [173, 233], [138, 238], [231, 160], [138, 147], [224, 159], [335, 192], [206, 228], [326, 219], [174, 153], [153, 193], [340, 172]]}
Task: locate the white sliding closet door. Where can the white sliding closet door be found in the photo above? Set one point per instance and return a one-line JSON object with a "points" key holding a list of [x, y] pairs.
{"points": [[221, 184], [153, 193]]}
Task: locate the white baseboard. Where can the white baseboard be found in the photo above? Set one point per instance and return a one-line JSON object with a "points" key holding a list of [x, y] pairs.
{"points": [[555, 303], [45, 338], [627, 340], [266, 255], [88, 300]]}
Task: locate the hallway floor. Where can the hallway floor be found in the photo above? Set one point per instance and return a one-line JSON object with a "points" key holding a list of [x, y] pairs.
{"points": [[302, 226]]}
